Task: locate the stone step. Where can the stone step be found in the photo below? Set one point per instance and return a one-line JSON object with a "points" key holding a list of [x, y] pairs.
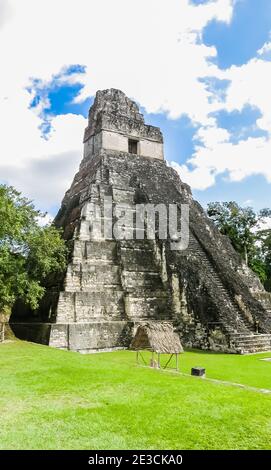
{"points": [[229, 322], [86, 267], [83, 306], [104, 251], [146, 293], [98, 287], [148, 307], [253, 343], [87, 262], [137, 279], [123, 196], [251, 338], [138, 261], [260, 335], [146, 296], [137, 244], [241, 329], [254, 349], [86, 280]]}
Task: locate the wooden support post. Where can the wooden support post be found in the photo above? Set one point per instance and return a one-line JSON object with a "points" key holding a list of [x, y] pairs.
{"points": [[137, 359], [168, 361], [68, 336], [152, 359], [143, 358]]}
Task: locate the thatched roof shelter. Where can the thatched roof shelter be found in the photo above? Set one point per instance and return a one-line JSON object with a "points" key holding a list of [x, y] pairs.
{"points": [[157, 337]]}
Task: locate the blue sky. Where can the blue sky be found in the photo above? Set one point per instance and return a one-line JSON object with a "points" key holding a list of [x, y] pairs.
{"points": [[239, 41], [203, 76]]}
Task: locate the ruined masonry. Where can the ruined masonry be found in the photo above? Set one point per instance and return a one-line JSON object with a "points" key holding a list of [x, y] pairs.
{"points": [[112, 286]]}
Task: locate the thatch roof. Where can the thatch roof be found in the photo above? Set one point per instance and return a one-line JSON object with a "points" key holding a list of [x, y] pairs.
{"points": [[157, 337]]}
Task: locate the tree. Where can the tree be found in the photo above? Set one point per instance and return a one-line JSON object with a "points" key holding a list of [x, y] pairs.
{"points": [[29, 253], [264, 237], [243, 227], [239, 224]]}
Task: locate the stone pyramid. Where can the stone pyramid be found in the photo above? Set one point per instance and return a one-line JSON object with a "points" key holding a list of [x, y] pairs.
{"points": [[115, 283]]}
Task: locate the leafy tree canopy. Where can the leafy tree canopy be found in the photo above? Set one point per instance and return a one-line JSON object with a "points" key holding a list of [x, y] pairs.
{"points": [[243, 227], [28, 252]]}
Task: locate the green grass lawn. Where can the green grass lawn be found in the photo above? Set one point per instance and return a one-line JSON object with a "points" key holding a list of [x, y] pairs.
{"points": [[54, 399]]}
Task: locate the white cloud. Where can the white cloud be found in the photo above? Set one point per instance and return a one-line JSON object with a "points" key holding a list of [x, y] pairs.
{"points": [[150, 50], [248, 157], [45, 219], [5, 12], [249, 84], [265, 49], [200, 178], [24, 153], [265, 224]]}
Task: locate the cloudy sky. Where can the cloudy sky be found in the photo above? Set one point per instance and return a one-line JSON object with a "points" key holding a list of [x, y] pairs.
{"points": [[199, 69]]}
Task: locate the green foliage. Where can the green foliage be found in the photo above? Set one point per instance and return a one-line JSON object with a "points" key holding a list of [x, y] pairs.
{"points": [[28, 252], [235, 222], [264, 238], [259, 268], [242, 226]]}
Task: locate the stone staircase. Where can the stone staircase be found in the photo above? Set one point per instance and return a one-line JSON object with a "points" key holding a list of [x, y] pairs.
{"points": [[251, 343], [240, 331], [117, 279], [93, 283], [145, 294]]}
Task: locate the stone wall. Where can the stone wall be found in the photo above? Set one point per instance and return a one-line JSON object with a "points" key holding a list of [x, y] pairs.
{"points": [[113, 119], [119, 142]]}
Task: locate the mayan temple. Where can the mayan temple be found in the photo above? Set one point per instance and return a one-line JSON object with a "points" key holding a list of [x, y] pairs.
{"points": [[113, 284]]}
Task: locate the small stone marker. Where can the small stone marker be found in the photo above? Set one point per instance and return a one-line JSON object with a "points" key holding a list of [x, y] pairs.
{"points": [[198, 371]]}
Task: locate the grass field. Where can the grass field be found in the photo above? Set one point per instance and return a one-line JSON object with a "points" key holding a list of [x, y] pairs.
{"points": [[54, 399]]}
